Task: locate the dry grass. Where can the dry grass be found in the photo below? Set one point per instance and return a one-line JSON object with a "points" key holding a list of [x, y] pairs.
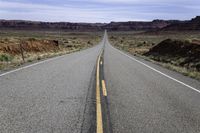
{"points": [[38, 45], [140, 43]]}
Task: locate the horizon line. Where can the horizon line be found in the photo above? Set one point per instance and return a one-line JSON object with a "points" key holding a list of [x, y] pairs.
{"points": [[95, 22]]}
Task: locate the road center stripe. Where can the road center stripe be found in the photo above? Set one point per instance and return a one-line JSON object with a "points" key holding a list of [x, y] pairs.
{"points": [[104, 88], [99, 128]]}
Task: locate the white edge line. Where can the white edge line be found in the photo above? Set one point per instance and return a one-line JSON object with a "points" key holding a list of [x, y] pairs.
{"points": [[46, 60], [21, 68], [157, 71]]}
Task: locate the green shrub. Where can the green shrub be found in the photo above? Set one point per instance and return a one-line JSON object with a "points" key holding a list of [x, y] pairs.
{"points": [[88, 42], [38, 58], [31, 39], [30, 60], [5, 57]]}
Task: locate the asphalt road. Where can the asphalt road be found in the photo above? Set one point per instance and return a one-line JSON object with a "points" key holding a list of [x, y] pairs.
{"points": [[58, 96], [51, 97], [141, 100]]}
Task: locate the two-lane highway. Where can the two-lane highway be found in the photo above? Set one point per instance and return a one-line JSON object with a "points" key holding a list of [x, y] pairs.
{"points": [[91, 92]]}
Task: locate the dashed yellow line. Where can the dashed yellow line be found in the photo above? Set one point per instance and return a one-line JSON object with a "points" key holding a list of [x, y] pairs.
{"points": [[99, 128], [104, 88]]}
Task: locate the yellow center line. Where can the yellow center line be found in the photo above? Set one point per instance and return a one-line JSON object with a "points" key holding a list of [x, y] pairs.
{"points": [[99, 128], [104, 88]]}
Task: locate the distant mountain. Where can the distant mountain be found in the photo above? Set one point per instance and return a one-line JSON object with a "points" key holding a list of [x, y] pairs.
{"points": [[67, 26], [36, 25], [155, 25], [134, 25], [193, 24]]}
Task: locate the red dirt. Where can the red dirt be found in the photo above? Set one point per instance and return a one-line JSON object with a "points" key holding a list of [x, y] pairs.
{"points": [[30, 45]]}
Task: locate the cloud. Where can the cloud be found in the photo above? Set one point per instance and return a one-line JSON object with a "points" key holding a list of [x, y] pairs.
{"points": [[95, 11], [16, 10], [145, 2]]}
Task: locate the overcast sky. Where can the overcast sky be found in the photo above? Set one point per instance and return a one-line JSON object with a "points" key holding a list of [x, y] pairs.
{"points": [[98, 10]]}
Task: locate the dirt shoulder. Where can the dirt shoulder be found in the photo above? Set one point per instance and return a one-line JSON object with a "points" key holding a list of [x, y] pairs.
{"points": [[20, 47], [178, 51]]}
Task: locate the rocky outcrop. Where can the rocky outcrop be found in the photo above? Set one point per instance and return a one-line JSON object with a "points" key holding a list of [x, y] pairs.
{"points": [[177, 52], [29, 45], [133, 25], [66, 26], [193, 24], [155, 25], [34, 25]]}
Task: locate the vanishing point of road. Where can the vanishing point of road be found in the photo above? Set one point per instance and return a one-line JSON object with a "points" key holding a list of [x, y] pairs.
{"points": [[100, 89]]}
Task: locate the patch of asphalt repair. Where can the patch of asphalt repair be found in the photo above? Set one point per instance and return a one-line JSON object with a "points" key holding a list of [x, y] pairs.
{"points": [[107, 125], [89, 116]]}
